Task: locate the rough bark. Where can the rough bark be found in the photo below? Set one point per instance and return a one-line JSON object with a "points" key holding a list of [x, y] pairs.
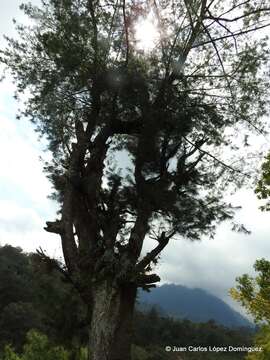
{"points": [[111, 325]]}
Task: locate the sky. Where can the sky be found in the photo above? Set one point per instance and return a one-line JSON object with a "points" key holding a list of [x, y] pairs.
{"points": [[211, 265]]}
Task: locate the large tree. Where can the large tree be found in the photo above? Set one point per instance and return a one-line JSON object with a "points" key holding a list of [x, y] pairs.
{"points": [[168, 113]]}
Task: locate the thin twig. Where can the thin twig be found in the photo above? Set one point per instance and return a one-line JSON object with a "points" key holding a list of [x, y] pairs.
{"points": [[216, 159]]}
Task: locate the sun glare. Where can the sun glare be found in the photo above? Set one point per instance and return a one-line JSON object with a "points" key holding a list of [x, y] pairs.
{"points": [[146, 33]]}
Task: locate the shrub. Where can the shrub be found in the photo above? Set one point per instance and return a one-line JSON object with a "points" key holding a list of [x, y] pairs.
{"points": [[37, 347]]}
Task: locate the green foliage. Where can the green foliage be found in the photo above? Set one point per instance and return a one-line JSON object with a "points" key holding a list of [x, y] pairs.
{"points": [[16, 319], [263, 187], [18, 314], [34, 296], [262, 340], [254, 292], [138, 353], [37, 347], [82, 353], [154, 332], [9, 354], [15, 284]]}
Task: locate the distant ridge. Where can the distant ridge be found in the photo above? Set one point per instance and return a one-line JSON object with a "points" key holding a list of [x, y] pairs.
{"points": [[196, 305]]}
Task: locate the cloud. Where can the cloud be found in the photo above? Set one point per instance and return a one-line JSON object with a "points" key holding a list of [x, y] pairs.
{"points": [[22, 226], [24, 206], [20, 166], [214, 264]]}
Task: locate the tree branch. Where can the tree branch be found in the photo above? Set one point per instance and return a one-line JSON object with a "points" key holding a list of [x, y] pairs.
{"points": [[144, 280], [195, 30], [138, 233], [55, 227], [53, 264], [126, 31], [216, 159], [239, 33], [95, 30], [219, 18], [162, 243]]}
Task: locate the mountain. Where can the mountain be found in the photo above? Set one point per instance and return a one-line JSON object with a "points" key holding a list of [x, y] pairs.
{"points": [[196, 305]]}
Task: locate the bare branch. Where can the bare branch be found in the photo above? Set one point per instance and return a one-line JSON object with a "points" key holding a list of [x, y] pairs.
{"points": [[220, 18], [91, 9], [54, 265], [195, 31], [229, 31], [55, 227], [126, 31], [216, 159], [219, 59], [239, 33], [110, 33], [162, 243]]}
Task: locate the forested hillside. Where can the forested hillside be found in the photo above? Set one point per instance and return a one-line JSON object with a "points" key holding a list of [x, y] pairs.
{"points": [[33, 296], [193, 304]]}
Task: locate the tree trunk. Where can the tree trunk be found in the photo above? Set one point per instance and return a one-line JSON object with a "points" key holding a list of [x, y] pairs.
{"points": [[111, 324]]}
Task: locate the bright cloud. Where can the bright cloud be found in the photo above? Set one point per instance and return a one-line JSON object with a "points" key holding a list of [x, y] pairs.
{"points": [[24, 206]]}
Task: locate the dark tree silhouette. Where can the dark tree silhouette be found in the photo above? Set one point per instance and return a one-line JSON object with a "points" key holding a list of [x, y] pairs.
{"points": [[169, 112]]}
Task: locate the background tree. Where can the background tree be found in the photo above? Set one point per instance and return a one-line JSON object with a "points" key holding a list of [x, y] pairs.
{"points": [[262, 342], [263, 186], [253, 293], [35, 296], [37, 347], [170, 113], [17, 313]]}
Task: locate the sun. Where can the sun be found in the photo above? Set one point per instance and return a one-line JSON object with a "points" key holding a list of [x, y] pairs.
{"points": [[146, 33]]}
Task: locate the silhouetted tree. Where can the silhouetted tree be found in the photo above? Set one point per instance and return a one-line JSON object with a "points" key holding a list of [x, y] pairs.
{"points": [[170, 112]]}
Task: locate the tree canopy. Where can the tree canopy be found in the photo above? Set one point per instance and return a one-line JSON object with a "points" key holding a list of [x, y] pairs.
{"points": [[173, 110], [254, 292], [263, 186]]}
